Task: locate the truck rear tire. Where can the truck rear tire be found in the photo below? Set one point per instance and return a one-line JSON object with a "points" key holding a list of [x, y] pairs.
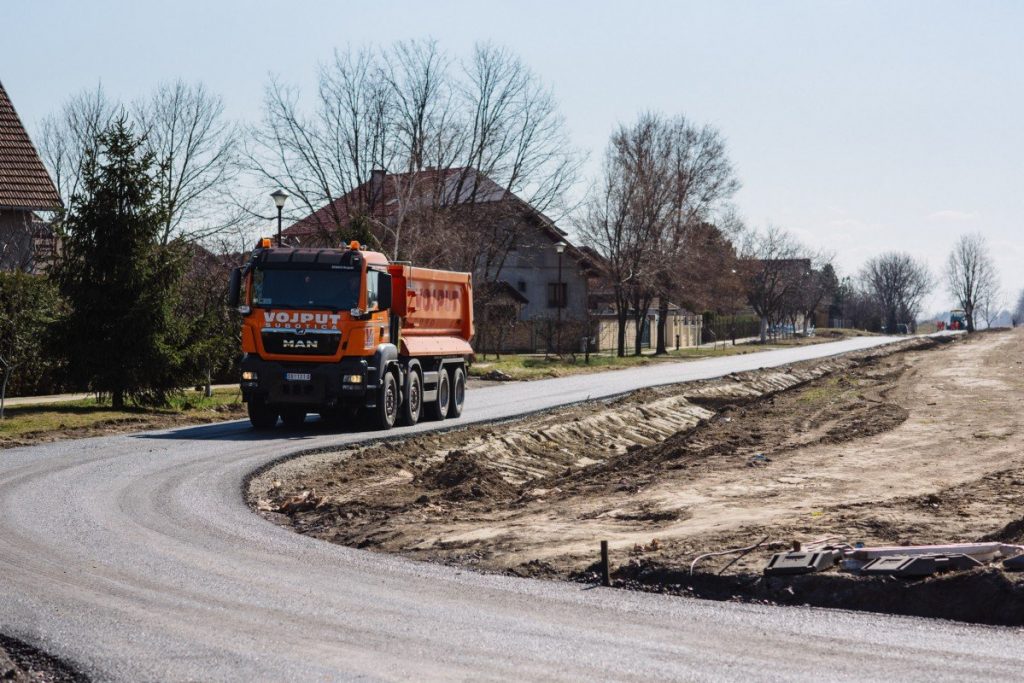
{"points": [[261, 415], [412, 406], [458, 392], [386, 412], [438, 410]]}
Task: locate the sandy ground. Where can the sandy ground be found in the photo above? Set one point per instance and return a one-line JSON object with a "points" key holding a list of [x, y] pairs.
{"points": [[921, 444]]}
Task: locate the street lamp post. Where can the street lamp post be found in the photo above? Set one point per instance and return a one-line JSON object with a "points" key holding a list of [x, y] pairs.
{"points": [[559, 299], [279, 197]]}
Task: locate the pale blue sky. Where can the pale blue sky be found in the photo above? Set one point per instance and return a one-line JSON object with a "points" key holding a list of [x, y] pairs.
{"points": [[860, 126]]}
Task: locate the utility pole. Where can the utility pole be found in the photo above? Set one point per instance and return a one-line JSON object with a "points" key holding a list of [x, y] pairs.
{"points": [[559, 299]]}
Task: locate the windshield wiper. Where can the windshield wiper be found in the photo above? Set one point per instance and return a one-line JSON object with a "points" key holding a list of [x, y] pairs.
{"points": [[317, 307]]}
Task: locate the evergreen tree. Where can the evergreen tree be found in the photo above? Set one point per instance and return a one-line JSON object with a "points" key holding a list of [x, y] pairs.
{"points": [[122, 338]]}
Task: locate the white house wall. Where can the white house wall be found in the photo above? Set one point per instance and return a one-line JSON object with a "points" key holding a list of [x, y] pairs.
{"points": [[534, 263]]}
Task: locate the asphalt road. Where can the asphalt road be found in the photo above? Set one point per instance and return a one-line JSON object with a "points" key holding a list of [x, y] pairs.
{"points": [[136, 558]]}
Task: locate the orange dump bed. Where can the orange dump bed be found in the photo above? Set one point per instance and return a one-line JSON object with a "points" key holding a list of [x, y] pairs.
{"points": [[436, 308]]}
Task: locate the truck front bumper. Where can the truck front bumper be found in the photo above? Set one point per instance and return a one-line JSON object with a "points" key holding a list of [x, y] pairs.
{"points": [[312, 385]]}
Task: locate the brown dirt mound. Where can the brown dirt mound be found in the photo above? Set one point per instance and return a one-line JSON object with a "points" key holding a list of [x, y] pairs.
{"points": [[464, 476], [982, 596], [881, 447], [22, 663], [1011, 533]]}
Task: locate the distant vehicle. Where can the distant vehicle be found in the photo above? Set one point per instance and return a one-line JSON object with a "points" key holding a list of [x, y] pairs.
{"points": [[345, 331], [902, 328], [958, 319]]}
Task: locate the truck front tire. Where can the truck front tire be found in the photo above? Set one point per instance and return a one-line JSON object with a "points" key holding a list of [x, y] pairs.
{"points": [[261, 415], [458, 392], [386, 412]]}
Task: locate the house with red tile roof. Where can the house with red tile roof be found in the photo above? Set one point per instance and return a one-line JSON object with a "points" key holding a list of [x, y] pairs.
{"points": [[460, 219], [26, 240]]}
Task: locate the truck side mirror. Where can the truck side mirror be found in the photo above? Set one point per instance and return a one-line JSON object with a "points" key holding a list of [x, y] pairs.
{"points": [[383, 291], [235, 287]]}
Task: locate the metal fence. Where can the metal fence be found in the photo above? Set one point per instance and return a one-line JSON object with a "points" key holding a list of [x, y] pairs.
{"points": [[719, 328]]}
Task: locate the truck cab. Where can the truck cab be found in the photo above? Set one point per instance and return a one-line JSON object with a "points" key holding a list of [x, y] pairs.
{"points": [[322, 332]]}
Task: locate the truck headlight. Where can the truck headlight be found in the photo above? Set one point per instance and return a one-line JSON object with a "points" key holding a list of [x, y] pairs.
{"points": [[248, 375], [352, 379]]}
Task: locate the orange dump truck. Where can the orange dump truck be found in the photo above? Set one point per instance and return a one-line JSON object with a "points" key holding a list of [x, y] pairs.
{"points": [[345, 332]]}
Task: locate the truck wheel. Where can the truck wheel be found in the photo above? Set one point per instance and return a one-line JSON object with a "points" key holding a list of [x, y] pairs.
{"points": [[386, 411], [438, 410], [293, 418], [412, 406], [261, 415], [458, 392]]}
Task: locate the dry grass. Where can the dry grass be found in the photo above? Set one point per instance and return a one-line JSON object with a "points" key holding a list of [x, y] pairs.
{"points": [[52, 421]]}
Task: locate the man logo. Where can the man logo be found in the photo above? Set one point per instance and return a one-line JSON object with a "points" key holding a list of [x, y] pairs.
{"points": [[303, 344]]}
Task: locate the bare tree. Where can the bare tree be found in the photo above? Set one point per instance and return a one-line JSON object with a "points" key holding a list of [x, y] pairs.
{"points": [[774, 266], [1018, 312], [990, 309], [606, 226], [482, 128], [971, 276], [185, 128], [626, 218], [320, 157], [194, 145], [514, 133], [857, 307], [702, 181], [70, 134], [897, 283], [819, 284]]}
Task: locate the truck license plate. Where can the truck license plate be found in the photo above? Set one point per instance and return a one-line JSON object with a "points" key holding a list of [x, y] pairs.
{"points": [[297, 376]]}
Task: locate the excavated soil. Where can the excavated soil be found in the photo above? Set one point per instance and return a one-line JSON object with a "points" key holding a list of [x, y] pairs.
{"points": [[22, 663], [919, 442]]}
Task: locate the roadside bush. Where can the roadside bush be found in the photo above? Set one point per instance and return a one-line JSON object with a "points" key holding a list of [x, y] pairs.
{"points": [[211, 344], [30, 306]]}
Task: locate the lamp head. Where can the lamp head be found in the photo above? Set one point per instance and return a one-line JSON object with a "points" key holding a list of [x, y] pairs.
{"points": [[279, 197]]}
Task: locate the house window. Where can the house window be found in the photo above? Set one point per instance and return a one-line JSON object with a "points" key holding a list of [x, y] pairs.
{"points": [[522, 285], [557, 294]]}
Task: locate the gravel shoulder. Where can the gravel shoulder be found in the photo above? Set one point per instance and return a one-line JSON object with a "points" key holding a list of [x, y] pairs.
{"points": [[920, 442]]}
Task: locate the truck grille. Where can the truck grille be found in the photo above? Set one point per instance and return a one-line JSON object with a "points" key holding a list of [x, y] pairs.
{"points": [[309, 343]]}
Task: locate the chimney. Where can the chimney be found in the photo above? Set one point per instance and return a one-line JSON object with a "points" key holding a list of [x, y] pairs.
{"points": [[376, 185]]}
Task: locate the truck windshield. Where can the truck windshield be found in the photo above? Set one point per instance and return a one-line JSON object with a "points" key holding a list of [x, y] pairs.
{"points": [[332, 289]]}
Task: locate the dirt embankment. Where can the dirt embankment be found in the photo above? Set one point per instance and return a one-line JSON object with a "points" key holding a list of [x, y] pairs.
{"points": [[917, 443], [22, 663]]}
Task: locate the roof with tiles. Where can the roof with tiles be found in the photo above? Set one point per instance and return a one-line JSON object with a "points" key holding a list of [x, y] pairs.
{"points": [[24, 181], [387, 195]]}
